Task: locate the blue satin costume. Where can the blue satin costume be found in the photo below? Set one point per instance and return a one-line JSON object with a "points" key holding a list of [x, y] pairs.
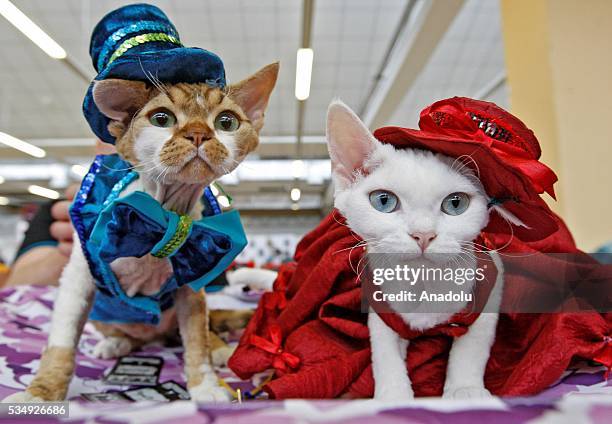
{"points": [[110, 226], [139, 43]]}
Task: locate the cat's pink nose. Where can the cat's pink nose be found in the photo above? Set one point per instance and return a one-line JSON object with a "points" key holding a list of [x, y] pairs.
{"points": [[197, 137], [423, 239]]}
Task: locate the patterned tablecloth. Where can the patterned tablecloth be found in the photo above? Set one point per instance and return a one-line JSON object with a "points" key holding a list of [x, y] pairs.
{"points": [[582, 395]]}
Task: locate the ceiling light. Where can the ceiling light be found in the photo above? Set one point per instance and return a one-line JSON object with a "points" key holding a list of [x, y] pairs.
{"points": [[295, 207], [15, 143], [44, 192], [79, 170], [223, 201], [31, 30], [297, 168], [296, 193], [4, 201], [303, 73], [2, 179]]}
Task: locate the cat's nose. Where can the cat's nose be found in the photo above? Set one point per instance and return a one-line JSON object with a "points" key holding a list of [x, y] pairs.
{"points": [[197, 137], [423, 239]]}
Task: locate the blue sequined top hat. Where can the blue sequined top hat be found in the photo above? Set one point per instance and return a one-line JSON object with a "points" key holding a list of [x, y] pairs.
{"points": [[138, 42]]}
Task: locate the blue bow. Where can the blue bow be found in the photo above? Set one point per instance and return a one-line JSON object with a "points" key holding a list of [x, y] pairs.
{"points": [[199, 251]]}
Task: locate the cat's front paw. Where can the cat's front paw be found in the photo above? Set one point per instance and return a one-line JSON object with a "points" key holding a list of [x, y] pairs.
{"points": [[394, 394], [112, 347], [470, 392], [210, 393], [22, 397]]}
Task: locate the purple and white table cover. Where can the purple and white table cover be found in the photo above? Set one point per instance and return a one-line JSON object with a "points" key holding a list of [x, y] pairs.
{"points": [[582, 395]]}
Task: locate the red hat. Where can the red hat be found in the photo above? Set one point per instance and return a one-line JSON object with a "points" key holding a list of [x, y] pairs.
{"points": [[503, 153]]}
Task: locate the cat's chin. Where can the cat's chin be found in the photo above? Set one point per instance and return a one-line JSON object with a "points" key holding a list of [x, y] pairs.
{"points": [[195, 171]]}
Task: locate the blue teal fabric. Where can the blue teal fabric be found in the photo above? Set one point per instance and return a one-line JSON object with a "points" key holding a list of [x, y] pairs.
{"points": [[164, 61], [110, 227]]}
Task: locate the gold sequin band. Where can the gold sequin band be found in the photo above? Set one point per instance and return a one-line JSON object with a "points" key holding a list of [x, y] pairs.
{"points": [[141, 39], [180, 235]]}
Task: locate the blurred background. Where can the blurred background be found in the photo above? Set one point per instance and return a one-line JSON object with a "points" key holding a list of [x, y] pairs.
{"points": [[548, 61]]}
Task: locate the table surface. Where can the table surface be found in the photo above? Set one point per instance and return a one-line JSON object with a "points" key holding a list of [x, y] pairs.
{"points": [[582, 395]]}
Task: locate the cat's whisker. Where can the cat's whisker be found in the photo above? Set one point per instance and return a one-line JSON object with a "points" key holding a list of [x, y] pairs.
{"points": [[237, 162], [470, 160], [361, 243], [148, 170], [351, 261], [154, 81], [459, 161], [475, 248], [472, 249], [129, 168], [145, 165], [508, 255], [349, 248], [336, 219], [363, 269]]}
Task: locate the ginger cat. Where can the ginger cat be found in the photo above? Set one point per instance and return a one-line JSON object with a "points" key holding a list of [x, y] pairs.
{"points": [[179, 138]]}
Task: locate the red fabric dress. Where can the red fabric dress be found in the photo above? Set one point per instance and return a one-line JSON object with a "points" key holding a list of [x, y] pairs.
{"points": [[311, 330]]}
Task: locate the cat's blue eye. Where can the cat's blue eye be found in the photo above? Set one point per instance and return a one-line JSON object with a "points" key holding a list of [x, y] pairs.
{"points": [[384, 201], [455, 203], [162, 118]]}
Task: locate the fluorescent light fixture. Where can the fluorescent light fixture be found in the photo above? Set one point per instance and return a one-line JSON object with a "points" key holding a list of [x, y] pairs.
{"points": [[298, 168], [223, 201], [21, 145], [44, 192], [31, 30], [303, 73], [296, 193], [4, 201], [2, 179], [79, 170]]}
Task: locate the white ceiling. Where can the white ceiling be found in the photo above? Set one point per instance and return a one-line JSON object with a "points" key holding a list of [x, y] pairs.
{"points": [[469, 56]]}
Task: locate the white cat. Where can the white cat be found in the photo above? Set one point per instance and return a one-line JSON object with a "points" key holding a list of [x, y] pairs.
{"points": [[418, 204]]}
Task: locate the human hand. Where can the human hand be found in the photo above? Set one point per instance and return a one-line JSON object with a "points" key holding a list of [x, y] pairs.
{"points": [[61, 228]]}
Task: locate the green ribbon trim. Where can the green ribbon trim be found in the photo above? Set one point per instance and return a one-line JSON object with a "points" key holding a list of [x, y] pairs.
{"points": [[181, 233], [141, 39]]}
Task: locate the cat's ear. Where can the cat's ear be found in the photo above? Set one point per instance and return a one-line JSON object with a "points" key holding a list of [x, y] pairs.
{"points": [[120, 99], [349, 142], [252, 94]]}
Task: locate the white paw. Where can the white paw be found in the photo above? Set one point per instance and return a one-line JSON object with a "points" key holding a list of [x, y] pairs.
{"points": [[221, 355], [472, 392], [207, 392], [112, 347], [394, 394], [21, 397]]}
